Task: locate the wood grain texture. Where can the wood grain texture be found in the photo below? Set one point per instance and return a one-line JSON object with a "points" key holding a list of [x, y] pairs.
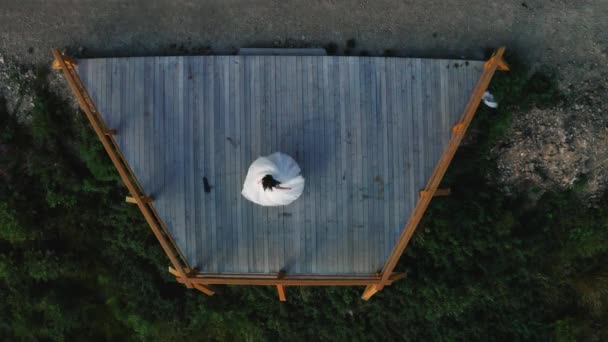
{"points": [[367, 133]]}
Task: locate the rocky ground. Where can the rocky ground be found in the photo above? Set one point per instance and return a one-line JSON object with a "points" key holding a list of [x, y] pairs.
{"points": [[13, 91], [565, 146]]}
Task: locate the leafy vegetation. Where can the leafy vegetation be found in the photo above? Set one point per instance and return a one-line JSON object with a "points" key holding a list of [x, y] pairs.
{"points": [[78, 264]]}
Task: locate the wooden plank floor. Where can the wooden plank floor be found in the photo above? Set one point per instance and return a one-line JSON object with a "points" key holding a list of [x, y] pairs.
{"points": [[366, 131]]}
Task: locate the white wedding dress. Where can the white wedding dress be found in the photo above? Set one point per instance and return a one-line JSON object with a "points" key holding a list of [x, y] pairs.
{"points": [[282, 168]]}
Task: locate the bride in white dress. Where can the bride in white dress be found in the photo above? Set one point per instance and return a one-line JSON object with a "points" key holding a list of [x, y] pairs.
{"points": [[273, 180]]}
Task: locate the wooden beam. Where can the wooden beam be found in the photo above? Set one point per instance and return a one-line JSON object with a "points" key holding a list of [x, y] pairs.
{"points": [[442, 192], [145, 199], [275, 282], [364, 279], [204, 289], [281, 288], [287, 281], [67, 66], [438, 193], [370, 290], [164, 228], [459, 127], [68, 61], [281, 291], [109, 132], [502, 65], [398, 276], [459, 130], [174, 272]]}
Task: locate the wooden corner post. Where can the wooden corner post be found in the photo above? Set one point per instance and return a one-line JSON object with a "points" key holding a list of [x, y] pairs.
{"points": [[490, 66], [199, 286]]}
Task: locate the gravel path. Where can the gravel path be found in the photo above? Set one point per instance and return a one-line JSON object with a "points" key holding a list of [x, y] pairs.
{"points": [[569, 34]]}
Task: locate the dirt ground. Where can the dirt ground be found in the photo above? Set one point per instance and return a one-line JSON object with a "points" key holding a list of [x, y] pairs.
{"points": [[561, 147], [569, 34]]}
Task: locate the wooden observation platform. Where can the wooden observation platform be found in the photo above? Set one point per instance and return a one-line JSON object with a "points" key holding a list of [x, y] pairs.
{"points": [[373, 136]]}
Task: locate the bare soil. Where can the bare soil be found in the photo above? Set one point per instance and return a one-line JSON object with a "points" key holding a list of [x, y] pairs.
{"points": [[565, 146]]}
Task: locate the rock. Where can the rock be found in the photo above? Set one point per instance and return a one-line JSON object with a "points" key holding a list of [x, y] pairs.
{"points": [[1, 60]]}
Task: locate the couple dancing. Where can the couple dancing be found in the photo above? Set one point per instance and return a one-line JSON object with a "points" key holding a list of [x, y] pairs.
{"points": [[273, 180]]}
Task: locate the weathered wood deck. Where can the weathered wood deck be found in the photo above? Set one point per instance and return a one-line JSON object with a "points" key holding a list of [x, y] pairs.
{"points": [[367, 132]]}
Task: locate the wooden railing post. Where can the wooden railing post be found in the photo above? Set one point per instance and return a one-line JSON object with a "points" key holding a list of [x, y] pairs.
{"points": [[287, 280], [281, 288]]}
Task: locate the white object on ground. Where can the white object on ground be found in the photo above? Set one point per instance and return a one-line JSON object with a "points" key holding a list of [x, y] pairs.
{"points": [[282, 168], [489, 100]]}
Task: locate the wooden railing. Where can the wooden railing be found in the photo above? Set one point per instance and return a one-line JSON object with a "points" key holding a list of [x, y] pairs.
{"points": [[184, 273], [106, 136], [458, 132]]}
